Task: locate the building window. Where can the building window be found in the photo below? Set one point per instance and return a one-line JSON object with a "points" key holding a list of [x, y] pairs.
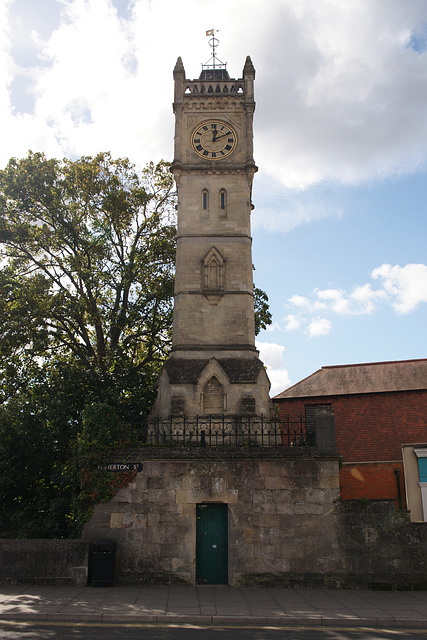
{"points": [[223, 201], [312, 413], [422, 470], [213, 274], [205, 200]]}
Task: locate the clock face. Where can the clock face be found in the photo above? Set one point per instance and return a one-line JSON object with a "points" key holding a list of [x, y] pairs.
{"points": [[214, 140]]}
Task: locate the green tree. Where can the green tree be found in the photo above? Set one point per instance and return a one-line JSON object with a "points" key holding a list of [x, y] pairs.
{"points": [[87, 250], [87, 255]]}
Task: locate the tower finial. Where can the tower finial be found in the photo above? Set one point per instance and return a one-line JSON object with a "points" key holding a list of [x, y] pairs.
{"points": [[214, 62]]}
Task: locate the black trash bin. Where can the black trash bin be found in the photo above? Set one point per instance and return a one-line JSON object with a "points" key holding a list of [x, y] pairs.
{"points": [[102, 563]]}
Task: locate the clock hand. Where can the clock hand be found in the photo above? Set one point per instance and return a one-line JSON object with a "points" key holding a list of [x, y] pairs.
{"points": [[223, 135], [214, 137]]}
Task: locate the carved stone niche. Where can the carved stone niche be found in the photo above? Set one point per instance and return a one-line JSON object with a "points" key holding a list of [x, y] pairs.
{"points": [[213, 400], [248, 405], [213, 274], [177, 405]]}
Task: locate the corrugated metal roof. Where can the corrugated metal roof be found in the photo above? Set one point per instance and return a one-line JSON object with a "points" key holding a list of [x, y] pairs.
{"points": [[371, 377]]}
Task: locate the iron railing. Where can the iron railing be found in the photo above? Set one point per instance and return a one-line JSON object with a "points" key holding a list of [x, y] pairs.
{"points": [[223, 431]]}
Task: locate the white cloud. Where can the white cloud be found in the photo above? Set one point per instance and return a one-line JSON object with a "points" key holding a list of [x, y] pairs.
{"points": [[403, 288], [406, 286], [292, 322], [336, 299], [299, 301], [272, 356], [347, 101], [319, 327], [364, 299], [274, 326], [283, 209], [341, 86], [360, 301], [279, 379]]}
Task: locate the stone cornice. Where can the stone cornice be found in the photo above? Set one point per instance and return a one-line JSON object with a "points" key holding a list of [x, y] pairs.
{"points": [[213, 168], [214, 104], [214, 347], [222, 293], [213, 235]]}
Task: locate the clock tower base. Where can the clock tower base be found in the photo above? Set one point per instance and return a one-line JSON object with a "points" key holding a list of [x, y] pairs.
{"points": [[218, 383]]}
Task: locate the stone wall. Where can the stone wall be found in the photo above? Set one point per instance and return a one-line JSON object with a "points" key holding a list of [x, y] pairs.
{"points": [[60, 562], [379, 547], [278, 516], [286, 523], [286, 527]]}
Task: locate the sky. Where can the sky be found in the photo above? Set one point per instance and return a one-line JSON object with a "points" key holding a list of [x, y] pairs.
{"points": [[340, 137]]}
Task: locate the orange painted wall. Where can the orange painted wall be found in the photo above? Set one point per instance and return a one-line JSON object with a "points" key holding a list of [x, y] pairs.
{"points": [[372, 481]]}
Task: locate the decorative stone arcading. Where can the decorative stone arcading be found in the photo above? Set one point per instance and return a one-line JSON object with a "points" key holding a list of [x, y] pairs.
{"points": [[199, 89], [211, 105]]}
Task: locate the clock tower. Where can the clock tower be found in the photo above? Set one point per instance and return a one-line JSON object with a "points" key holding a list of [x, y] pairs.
{"points": [[213, 367]]}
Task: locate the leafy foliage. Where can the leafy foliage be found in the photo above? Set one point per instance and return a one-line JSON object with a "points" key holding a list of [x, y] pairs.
{"points": [[100, 435], [262, 314], [90, 250], [86, 286]]}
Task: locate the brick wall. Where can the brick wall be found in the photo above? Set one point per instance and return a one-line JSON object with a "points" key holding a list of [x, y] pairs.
{"points": [[372, 481], [371, 428]]}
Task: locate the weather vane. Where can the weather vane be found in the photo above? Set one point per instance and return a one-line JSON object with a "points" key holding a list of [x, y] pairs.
{"points": [[213, 61]]}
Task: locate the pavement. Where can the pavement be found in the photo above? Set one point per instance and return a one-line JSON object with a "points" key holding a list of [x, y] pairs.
{"points": [[216, 605]]}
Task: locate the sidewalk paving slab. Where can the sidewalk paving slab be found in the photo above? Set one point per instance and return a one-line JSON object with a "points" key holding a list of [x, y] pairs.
{"points": [[211, 605]]}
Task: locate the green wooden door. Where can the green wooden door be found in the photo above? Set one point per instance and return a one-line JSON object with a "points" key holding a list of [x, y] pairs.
{"points": [[212, 544]]}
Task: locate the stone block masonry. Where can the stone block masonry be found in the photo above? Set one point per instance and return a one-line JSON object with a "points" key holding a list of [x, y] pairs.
{"points": [[278, 517], [53, 562], [285, 526], [286, 523]]}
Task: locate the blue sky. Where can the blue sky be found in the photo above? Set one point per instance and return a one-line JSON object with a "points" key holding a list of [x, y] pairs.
{"points": [[340, 224]]}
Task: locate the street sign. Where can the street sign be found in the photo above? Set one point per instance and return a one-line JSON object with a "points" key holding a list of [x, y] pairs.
{"points": [[121, 467]]}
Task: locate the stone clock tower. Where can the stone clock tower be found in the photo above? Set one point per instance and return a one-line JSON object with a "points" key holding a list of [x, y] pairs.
{"points": [[213, 367]]}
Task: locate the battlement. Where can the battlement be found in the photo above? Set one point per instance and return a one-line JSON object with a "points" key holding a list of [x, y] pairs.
{"points": [[214, 81], [207, 84]]}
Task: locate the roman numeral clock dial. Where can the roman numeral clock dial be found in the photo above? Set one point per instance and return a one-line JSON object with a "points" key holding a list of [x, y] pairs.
{"points": [[214, 140]]}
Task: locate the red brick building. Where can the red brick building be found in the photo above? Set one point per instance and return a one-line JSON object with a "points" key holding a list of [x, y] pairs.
{"points": [[378, 408]]}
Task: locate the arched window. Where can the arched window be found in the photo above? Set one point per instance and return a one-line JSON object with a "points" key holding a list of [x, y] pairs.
{"points": [[223, 201], [205, 200]]}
